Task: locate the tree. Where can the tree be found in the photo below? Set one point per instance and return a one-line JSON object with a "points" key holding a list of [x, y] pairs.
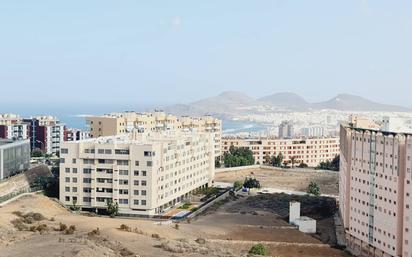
{"points": [[303, 165], [112, 208], [74, 206], [238, 157], [330, 165], [251, 183], [293, 160], [277, 160], [313, 188], [267, 159], [258, 249], [237, 185], [37, 153]]}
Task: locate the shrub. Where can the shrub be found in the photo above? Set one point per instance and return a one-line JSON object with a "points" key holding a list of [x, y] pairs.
{"points": [[156, 236], [125, 228], [237, 185], [186, 206], [70, 230], [62, 227], [112, 208], [258, 249], [94, 232], [177, 226], [19, 224], [313, 189], [251, 183]]}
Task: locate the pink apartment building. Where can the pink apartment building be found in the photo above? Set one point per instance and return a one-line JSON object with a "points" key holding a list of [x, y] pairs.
{"points": [[375, 191]]}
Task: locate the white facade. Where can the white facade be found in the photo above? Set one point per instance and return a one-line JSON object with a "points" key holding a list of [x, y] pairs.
{"points": [[145, 173], [305, 224]]}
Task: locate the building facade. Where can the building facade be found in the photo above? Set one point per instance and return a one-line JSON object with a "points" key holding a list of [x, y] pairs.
{"points": [[46, 133], [119, 123], [71, 134], [286, 130], [145, 173], [14, 157], [375, 191], [13, 127], [309, 151]]}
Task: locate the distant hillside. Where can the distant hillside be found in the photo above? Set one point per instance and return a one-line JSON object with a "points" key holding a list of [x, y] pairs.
{"points": [[286, 100], [232, 103], [347, 102]]}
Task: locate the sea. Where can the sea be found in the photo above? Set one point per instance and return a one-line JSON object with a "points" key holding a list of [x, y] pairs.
{"points": [[73, 116]]}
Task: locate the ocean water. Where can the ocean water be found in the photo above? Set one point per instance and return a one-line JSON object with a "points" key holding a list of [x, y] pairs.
{"points": [[74, 115]]}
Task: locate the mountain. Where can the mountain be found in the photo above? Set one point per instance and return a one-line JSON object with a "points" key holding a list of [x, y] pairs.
{"points": [[347, 102], [233, 103], [286, 100]]}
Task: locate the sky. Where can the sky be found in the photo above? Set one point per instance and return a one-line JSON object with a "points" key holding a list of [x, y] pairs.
{"points": [[161, 52]]}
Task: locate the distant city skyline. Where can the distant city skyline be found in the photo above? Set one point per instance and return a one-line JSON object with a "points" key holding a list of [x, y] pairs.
{"points": [[162, 52]]}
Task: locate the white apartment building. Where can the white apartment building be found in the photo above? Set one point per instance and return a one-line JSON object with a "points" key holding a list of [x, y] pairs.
{"points": [[13, 127], [310, 151], [313, 131], [124, 122], [145, 173], [375, 191]]}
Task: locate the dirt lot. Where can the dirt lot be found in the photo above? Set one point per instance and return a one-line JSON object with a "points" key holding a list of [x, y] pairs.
{"points": [[228, 229], [288, 180]]}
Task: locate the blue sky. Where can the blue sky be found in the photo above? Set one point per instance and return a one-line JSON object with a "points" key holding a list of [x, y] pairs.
{"points": [[179, 51]]}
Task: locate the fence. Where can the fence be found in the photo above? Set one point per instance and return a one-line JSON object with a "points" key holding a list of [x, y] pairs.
{"points": [[270, 168], [7, 197], [208, 204]]}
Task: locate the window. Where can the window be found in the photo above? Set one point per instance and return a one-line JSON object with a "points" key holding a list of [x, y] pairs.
{"points": [[74, 161], [143, 182], [74, 189], [136, 173], [143, 173], [143, 202], [64, 151], [87, 199], [74, 180], [136, 192], [149, 163], [121, 151], [123, 181], [123, 172], [108, 151], [75, 170], [136, 202], [147, 153], [136, 182], [62, 160], [136, 163], [123, 191], [67, 180], [87, 180], [122, 162], [67, 189], [87, 190], [88, 161], [123, 201], [100, 151], [67, 170], [143, 192], [67, 198], [87, 171]]}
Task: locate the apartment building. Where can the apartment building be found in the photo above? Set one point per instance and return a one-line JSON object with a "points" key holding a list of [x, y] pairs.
{"points": [[286, 129], [375, 191], [14, 157], [72, 134], [118, 123], [13, 127], [46, 133], [144, 172], [310, 151]]}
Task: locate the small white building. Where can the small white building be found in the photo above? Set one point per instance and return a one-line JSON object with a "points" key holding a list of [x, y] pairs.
{"points": [[305, 224]]}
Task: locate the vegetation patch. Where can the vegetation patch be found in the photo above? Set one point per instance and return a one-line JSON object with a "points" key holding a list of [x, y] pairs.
{"points": [[258, 249]]}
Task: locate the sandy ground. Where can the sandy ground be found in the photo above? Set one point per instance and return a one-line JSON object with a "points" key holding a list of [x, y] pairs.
{"points": [[288, 180], [226, 233]]}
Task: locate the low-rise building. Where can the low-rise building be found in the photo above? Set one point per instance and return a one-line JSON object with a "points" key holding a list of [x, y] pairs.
{"points": [[13, 127], [46, 133], [144, 172], [310, 151], [14, 157], [72, 134]]}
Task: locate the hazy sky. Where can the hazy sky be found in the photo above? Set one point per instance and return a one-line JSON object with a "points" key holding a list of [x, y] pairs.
{"points": [[180, 51]]}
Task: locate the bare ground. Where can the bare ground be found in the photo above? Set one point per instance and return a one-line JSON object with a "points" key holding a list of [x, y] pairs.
{"points": [[284, 179], [225, 233]]}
